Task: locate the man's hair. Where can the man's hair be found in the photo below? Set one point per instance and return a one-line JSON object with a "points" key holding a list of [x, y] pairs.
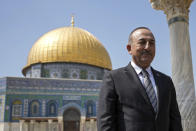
{"points": [[130, 35]]}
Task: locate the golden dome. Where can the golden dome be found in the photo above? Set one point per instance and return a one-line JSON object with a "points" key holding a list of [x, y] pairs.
{"points": [[69, 44]]}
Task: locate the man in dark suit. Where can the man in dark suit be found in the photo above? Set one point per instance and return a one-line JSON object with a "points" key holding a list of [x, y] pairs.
{"points": [[137, 97]]}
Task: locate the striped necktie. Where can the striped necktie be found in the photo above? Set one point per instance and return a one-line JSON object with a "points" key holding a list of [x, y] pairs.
{"points": [[149, 89]]}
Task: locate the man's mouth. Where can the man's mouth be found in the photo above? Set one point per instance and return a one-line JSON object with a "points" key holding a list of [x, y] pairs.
{"points": [[146, 53]]}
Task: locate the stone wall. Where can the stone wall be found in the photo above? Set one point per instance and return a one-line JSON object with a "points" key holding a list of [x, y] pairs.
{"points": [[89, 125]]}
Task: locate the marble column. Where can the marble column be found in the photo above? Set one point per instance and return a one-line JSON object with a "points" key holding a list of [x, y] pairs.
{"points": [[93, 125], [50, 122], [82, 123], [177, 12], [60, 123], [31, 125], [43, 126], [21, 125]]}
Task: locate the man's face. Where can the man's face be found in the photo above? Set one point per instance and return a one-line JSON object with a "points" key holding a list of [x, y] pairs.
{"points": [[142, 47]]}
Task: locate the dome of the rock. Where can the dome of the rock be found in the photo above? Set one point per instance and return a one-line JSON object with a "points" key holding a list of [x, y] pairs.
{"points": [[69, 44]]}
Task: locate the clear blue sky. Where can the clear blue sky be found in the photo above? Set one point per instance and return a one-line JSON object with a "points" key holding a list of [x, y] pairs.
{"points": [[22, 22]]}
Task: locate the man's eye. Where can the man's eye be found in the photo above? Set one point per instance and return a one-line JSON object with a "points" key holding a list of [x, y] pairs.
{"points": [[151, 42], [142, 42]]}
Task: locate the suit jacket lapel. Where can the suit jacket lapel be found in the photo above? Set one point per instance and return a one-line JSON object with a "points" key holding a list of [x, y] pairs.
{"points": [[133, 75]]}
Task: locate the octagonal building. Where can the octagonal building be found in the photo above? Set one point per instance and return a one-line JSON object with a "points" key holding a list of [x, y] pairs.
{"points": [[60, 87]]}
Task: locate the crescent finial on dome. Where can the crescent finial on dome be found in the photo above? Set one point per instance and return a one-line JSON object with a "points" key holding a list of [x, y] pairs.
{"points": [[72, 20]]}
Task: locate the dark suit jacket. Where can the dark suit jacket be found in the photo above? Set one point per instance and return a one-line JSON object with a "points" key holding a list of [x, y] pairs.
{"points": [[125, 106]]}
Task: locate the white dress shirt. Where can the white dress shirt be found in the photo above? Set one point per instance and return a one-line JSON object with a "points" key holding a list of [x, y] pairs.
{"points": [[138, 71]]}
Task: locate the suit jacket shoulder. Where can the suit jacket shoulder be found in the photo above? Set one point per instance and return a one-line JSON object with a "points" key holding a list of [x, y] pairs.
{"points": [[160, 73], [161, 78], [117, 72]]}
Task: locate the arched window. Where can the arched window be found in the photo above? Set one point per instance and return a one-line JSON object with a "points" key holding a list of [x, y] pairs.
{"points": [[83, 74], [65, 73], [52, 109], [90, 108], [45, 73], [34, 108], [16, 108]]}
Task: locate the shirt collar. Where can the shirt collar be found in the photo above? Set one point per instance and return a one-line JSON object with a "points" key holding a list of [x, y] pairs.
{"points": [[139, 69]]}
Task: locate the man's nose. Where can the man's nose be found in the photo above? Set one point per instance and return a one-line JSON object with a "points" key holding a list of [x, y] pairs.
{"points": [[147, 45]]}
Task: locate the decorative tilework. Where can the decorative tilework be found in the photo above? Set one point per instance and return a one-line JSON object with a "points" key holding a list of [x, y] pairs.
{"points": [[83, 74], [71, 105], [65, 73], [26, 106], [92, 75], [75, 73], [48, 82], [66, 93], [36, 71], [2, 83], [2, 86], [96, 107], [71, 97], [43, 107], [2, 105], [52, 86], [65, 102], [65, 70]]}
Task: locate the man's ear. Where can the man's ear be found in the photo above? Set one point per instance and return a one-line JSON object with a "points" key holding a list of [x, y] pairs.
{"points": [[129, 48]]}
